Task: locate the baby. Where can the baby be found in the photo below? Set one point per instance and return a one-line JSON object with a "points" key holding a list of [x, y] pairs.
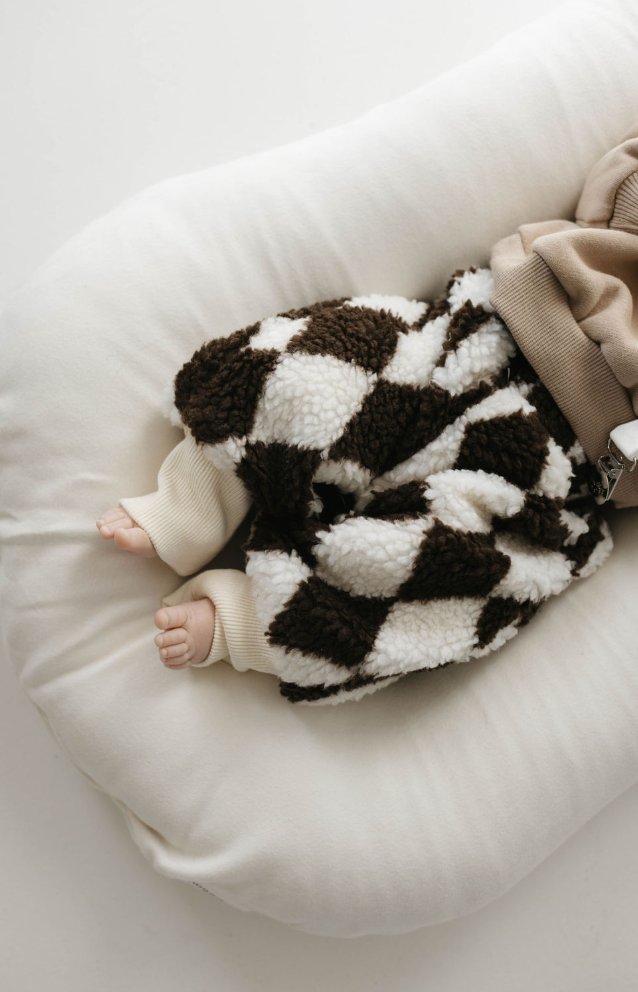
{"points": [[418, 493], [424, 474]]}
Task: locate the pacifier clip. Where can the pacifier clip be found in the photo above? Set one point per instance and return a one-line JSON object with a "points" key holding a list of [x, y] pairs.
{"points": [[610, 467]]}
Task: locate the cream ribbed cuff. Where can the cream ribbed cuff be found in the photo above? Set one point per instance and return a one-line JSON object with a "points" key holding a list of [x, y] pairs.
{"points": [[195, 510], [238, 636]]}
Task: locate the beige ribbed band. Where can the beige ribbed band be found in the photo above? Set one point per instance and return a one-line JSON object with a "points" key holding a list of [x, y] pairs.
{"points": [[536, 310], [624, 215], [195, 510], [238, 636]]}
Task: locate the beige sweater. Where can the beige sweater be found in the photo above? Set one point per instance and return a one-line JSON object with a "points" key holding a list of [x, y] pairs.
{"points": [[568, 292]]}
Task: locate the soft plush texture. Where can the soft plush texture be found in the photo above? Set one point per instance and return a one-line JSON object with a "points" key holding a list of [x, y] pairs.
{"points": [[418, 493], [420, 803]]}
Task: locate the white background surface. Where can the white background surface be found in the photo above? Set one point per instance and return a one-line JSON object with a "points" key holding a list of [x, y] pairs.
{"points": [[97, 102]]}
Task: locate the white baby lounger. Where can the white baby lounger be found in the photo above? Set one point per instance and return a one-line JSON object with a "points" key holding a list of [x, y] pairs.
{"points": [[413, 805]]}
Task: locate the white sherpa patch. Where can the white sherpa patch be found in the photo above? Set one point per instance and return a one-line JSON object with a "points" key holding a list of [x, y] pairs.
{"points": [[467, 500], [407, 310], [275, 576], [599, 554], [169, 410], [369, 556], [352, 695], [276, 332], [477, 287], [535, 573], [417, 353], [348, 475], [477, 357], [308, 399], [501, 403], [226, 454], [425, 635], [554, 480], [576, 525]]}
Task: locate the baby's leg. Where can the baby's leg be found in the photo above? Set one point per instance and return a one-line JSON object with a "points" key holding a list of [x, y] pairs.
{"points": [[228, 631], [117, 525], [187, 632], [187, 629]]}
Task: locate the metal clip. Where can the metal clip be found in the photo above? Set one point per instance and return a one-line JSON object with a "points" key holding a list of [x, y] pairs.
{"points": [[609, 470]]}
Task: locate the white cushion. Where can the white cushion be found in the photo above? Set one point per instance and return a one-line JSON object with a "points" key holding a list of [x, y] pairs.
{"points": [[418, 803]]}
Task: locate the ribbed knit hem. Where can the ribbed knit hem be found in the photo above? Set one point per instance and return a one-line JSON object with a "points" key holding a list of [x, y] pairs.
{"points": [[624, 215], [238, 635], [194, 511], [535, 308]]}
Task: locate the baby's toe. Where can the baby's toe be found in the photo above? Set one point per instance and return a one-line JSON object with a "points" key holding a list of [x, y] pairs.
{"points": [[112, 517], [176, 635], [112, 521], [112, 527], [171, 616], [175, 663], [175, 652]]}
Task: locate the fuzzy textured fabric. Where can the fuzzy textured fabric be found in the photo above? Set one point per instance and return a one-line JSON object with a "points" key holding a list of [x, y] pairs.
{"points": [[418, 492]]}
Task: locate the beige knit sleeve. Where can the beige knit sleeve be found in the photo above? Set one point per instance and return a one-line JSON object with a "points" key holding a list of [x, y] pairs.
{"points": [[194, 511], [238, 636]]}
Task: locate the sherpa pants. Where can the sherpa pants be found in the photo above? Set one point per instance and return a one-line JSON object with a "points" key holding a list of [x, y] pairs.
{"points": [[418, 493]]}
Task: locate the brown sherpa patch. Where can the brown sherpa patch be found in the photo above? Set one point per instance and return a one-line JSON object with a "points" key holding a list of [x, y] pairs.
{"points": [[396, 420], [406, 500], [538, 520], [520, 369], [322, 620], [580, 551], [355, 334], [454, 563], [581, 478], [528, 609], [465, 321], [551, 416], [263, 470], [296, 693], [497, 613], [313, 309], [335, 501], [217, 391], [437, 309], [514, 446], [277, 534]]}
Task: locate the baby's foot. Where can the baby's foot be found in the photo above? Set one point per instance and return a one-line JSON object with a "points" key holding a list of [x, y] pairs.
{"points": [[187, 632], [127, 536]]}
